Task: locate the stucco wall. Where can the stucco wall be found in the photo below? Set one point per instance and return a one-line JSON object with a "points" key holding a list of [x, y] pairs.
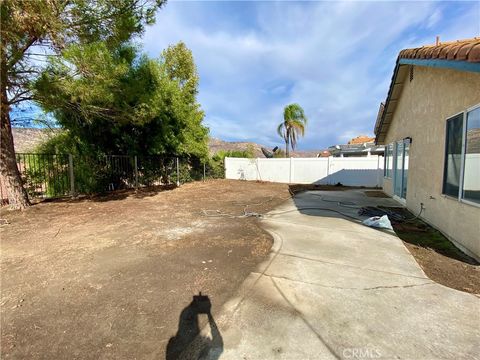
{"points": [[424, 106]]}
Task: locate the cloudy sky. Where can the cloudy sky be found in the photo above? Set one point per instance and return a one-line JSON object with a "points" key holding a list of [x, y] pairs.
{"points": [[335, 59]]}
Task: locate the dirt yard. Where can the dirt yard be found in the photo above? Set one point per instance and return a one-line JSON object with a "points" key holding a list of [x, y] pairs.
{"points": [[439, 258], [108, 277], [113, 277]]}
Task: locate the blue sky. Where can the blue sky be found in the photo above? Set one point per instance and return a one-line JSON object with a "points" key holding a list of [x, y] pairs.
{"points": [[333, 58]]}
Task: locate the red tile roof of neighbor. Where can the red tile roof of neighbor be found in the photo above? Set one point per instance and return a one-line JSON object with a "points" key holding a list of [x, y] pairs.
{"points": [[463, 55], [460, 50], [362, 139]]}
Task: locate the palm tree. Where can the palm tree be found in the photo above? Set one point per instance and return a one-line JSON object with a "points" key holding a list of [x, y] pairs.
{"points": [[294, 122]]}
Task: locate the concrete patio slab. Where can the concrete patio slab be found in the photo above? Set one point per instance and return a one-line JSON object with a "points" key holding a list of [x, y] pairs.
{"points": [[334, 288]]}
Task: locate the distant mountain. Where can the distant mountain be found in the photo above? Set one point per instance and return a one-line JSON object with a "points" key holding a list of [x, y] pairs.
{"points": [[216, 145], [27, 139]]}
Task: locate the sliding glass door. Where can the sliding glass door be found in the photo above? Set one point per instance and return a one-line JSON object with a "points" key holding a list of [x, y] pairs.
{"points": [[400, 176]]}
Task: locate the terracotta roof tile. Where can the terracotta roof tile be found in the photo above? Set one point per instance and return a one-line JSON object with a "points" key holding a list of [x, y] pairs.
{"points": [[463, 52], [460, 50], [361, 140], [475, 52]]}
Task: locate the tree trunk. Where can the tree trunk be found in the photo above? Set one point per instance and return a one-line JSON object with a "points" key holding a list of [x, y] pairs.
{"points": [[17, 196], [287, 145]]}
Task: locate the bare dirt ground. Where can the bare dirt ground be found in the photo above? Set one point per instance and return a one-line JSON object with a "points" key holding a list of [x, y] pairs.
{"points": [[439, 258], [297, 188], [108, 277], [457, 274]]}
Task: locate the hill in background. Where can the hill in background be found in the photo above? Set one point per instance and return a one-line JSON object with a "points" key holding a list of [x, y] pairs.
{"points": [[27, 139], [216, 145]]}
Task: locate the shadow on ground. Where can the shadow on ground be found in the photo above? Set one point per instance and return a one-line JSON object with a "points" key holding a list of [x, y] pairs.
{"points": [[439, 258], [324, 205], [115, 195], [407, 226], [189, 342], [298, 188]]}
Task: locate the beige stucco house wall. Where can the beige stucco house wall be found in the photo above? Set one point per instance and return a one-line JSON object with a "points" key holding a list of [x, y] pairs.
{"points": [[427, 100]]}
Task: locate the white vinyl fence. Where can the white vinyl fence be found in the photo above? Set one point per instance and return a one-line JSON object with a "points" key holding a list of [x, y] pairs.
{"points": [[350, 171]]}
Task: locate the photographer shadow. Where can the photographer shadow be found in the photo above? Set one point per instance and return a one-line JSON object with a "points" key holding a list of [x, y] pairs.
{"points": [[189, 342]]}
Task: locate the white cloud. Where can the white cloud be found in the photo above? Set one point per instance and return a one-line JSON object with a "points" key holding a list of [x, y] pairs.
{"points": [[334, 59]]}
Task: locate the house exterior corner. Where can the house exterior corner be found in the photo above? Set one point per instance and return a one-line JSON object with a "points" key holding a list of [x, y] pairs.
{"points": [[416, 140]]}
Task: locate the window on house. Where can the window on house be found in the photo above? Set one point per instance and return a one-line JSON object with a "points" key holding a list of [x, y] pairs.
{"points": [[462, 156], [453, 156], [471, 172], [387, 171]]}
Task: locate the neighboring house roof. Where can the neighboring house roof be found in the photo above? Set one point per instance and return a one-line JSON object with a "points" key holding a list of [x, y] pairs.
{"points": [[463, 55], [356, 149], [362, 139]]}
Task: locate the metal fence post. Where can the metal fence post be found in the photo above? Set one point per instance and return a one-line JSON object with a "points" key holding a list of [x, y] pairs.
{"points": [[72, 176], [136, 172], [178, 173], [203, 171]]}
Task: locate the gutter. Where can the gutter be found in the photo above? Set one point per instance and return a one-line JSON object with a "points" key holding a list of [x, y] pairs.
{"points": [[435, 63], [446, 64]]}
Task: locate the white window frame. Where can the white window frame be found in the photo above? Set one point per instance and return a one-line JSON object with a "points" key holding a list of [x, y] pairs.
{"points": [[408, 141], [462, 159], [388, 166]]}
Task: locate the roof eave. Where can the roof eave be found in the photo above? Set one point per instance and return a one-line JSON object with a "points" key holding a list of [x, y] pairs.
{"points": [[446, 64], [397, 81], [382, 128]]}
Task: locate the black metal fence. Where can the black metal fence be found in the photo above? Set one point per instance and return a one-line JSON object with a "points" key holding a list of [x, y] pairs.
{"points": [[44, 175], [57, 175]]}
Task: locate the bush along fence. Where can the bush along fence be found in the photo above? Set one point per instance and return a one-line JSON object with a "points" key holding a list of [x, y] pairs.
{"points": [[57, 175]]}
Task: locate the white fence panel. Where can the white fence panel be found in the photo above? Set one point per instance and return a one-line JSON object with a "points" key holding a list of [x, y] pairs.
{"points": [[309, 170], [241, 168], [274, 170], [471, 181], [361, 171]]}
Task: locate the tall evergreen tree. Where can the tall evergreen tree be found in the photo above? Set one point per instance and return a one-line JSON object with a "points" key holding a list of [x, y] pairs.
{"points": [[33, 30], [119, 102]]}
